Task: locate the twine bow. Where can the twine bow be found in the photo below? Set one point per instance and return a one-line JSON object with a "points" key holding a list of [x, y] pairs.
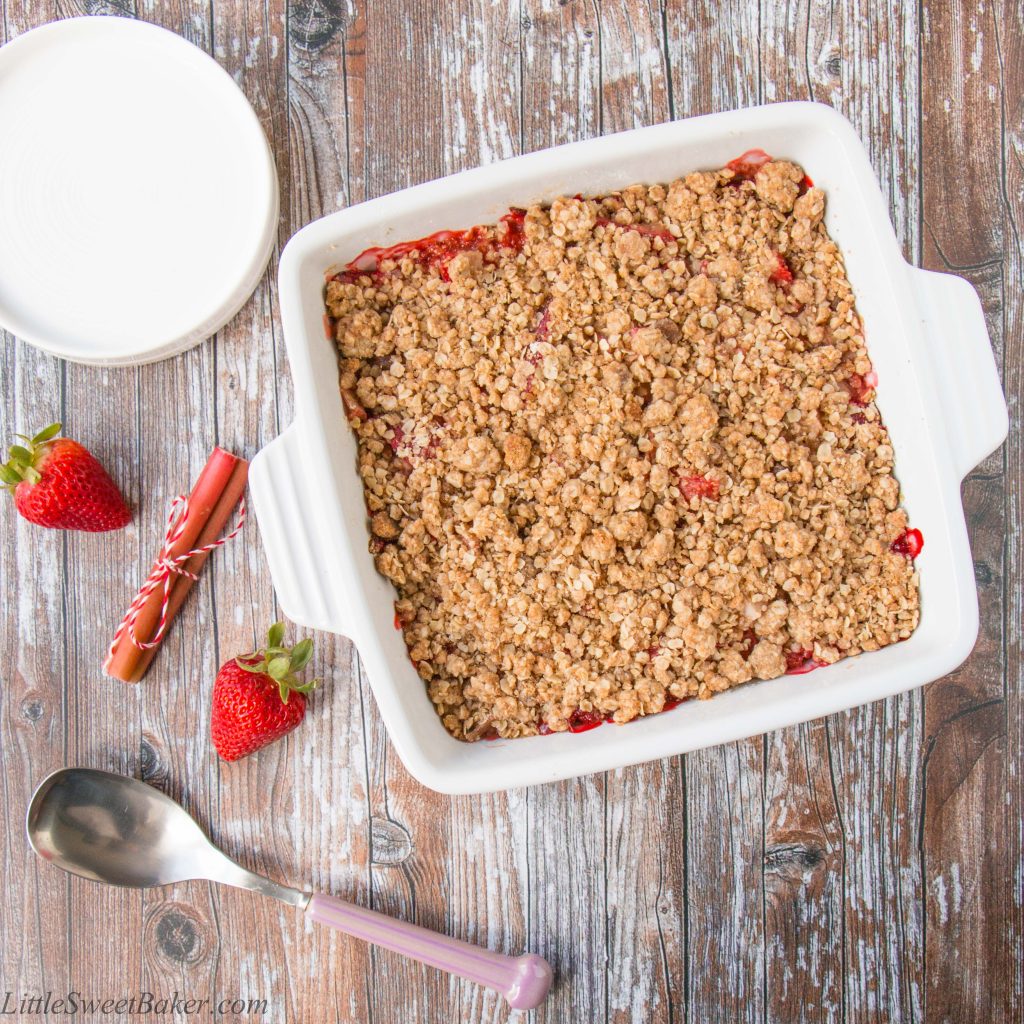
{"points": [[164, 571]]}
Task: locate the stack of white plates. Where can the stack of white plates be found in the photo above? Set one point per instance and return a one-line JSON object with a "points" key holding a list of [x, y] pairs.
{"points": [[138, 196]]}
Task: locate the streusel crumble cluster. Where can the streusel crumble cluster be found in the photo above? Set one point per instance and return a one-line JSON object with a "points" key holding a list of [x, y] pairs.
{"points": [[621, 451]]}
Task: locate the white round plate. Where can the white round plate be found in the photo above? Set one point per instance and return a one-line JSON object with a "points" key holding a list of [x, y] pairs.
{"points": [[138, 195]]}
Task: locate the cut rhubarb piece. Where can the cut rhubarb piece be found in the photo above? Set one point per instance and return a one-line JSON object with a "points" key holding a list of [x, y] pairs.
{"points": [[583, 721], [543, 327], [748, 164], [652, 231], [909, 544], [534, 358], [407, 444], [354, 411], [860, 393], [515, 236], [861, 387], [698, 487], [434, 250], [781, 275], [749, 642], [802, 661]]}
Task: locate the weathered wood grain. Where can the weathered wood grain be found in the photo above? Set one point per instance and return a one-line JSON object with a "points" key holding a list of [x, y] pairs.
{"points": [[804, 853], [34, 672], [865, 868], [1008, 28], [803, 878], [808, 52], [34, 683], [971, 715]]}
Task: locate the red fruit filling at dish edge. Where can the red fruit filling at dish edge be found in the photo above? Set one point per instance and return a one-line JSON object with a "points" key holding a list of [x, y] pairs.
{"points": [[909, 543], [802, 661], [438, 249], [746, 167]]}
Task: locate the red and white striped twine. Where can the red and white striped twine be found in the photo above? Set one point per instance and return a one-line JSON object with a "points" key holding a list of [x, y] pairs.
{"points": [[164, 571]]}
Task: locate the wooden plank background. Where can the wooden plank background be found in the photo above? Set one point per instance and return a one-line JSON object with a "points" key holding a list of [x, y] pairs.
{"points": [[864, 868]]}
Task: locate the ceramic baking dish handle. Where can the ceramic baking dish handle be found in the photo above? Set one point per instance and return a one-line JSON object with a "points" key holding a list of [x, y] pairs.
{"points": [[973, 407], [286, 516]]}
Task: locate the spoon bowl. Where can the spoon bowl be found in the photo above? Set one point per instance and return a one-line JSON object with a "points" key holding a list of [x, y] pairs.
{"points": [[114, 829], [121, 831]]}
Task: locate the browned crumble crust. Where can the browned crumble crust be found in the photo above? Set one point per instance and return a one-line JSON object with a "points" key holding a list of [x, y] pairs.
{"points": [[541, 439]]}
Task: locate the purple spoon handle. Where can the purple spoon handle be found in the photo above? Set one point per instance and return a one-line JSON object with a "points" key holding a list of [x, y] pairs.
{"points": [[522, 980]]}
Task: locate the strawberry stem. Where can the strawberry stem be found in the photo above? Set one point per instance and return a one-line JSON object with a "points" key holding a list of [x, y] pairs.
{"points": [[23, 459], [281, 663]]}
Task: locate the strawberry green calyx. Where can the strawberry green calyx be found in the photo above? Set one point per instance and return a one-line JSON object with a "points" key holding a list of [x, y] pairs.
{"points": [[281, 663], [23, 459]]}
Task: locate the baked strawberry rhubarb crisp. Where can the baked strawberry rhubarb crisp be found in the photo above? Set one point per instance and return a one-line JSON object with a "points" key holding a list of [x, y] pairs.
{"points": [[622, 450]]}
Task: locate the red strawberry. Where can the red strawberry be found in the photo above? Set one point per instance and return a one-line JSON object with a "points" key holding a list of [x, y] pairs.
{"points": [[256, 697], [58, 484]]}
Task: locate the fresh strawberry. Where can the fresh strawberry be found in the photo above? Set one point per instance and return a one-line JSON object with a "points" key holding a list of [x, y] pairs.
{"points": [[58, 484], [256, 697]]}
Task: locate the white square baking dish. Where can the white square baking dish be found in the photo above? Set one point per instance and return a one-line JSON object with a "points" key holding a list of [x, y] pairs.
{"points": [[939, 394]]}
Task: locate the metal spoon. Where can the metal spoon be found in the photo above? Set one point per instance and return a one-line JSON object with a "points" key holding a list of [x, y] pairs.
{"points": [[124, 832]]}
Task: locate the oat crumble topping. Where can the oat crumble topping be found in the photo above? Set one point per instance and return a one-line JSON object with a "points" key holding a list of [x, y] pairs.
{"points": [[623, 451]]}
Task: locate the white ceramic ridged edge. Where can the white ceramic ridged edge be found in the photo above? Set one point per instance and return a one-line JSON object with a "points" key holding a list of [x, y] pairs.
{"points": [[962, 364], [305, 589]]}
